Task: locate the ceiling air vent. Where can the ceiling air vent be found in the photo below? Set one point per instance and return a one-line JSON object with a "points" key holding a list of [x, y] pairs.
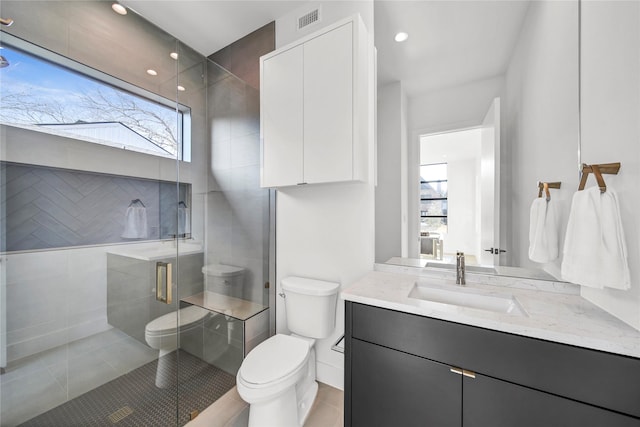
{"points": [[308, 18]]}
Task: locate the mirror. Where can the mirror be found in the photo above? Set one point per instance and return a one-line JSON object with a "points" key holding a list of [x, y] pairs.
{"points": [[506, 75]]}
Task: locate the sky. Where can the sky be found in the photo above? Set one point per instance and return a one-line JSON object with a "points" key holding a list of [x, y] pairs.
{"points": [[43, 85]]}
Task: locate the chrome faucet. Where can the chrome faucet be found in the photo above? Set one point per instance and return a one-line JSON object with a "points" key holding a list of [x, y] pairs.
{"points": [[460, 269]]}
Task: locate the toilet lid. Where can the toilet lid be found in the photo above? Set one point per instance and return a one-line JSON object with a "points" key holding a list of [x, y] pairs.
{"points": [[274, 359], [221, 270], [167, 323]]}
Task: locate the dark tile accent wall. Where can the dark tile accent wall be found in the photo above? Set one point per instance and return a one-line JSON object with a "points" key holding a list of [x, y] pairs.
{"points": [[45, 208], [242, 57]]}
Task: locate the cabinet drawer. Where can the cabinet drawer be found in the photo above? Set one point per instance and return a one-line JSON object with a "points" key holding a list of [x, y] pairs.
{"points": [[598, 378]]}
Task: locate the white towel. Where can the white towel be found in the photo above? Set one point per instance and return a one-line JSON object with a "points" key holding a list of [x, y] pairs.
{"points": [[184, 221], [135, 223], [595, 253], [543, 231]]}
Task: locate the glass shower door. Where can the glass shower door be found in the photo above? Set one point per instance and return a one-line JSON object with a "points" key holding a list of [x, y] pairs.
{"points": [[91, 143]]}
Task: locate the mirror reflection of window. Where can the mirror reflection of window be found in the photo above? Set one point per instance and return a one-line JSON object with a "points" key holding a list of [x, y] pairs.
{"points": [[433, 199], [434, 207]]}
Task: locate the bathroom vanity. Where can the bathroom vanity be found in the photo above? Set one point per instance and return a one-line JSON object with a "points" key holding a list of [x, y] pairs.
{"points": [[560, 361]]}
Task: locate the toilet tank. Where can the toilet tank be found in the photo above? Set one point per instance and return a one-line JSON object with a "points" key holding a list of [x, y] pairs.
{"points": [[224, 279], [310, 306]]}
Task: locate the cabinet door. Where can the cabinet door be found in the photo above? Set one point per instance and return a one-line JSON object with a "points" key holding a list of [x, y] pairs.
{"points": [[328, 106], [281, 118], [392, 388], [495, 403]]}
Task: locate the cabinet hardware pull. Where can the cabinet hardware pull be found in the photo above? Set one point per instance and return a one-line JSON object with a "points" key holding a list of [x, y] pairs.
{"points": [[469, 374], [456, 371], [165, 296]]}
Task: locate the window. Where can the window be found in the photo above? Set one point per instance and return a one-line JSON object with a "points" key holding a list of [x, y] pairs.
{"points": [[433, 199], [47, 92]]}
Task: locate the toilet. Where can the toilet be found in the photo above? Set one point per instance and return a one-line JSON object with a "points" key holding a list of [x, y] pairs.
{"points": [[224, 279], [160, 333], [278, 377]]}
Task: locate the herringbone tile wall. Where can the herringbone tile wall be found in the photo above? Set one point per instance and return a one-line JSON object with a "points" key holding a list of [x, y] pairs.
{"points": [[47, 208]]}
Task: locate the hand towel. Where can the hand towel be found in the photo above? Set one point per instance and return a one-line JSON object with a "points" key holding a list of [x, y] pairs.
{"points": [[135, 223], [184, 221], [543, 231], [595, 252]]}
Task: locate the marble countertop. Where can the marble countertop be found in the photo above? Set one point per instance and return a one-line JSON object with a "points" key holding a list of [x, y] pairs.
{"points": [[555, 311]]}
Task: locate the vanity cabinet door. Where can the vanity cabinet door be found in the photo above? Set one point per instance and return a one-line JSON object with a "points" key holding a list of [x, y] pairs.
{"points": [[392, 388], [495, 403]]}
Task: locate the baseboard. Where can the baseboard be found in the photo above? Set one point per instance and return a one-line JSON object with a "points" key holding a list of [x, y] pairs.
{"points": [[330, 375]]}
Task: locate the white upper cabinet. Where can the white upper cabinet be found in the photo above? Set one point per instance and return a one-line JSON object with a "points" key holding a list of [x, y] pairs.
{"points": [[281, 118], [314, 108]]}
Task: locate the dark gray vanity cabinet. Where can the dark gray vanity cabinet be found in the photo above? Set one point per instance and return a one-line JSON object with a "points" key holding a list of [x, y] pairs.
{"points": [[391, 388], [408, 370]]}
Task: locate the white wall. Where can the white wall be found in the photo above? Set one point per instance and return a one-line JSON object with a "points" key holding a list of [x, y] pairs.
{"points": [[326, 231], [330, 12], [453, 108], [540, 129], [391, 142], [463, 207], [611, 127]]}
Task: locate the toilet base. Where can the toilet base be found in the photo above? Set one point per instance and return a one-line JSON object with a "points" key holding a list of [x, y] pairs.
{"points": [[305, 404], [281, 412], [166, 369]]}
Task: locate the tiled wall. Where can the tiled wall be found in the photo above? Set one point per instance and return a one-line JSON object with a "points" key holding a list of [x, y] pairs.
{"points": [[242, 57], [237, 208], [50, 207]]}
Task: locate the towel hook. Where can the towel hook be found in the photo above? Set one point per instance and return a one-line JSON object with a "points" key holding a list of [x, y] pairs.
{"points": [[545, 186], [598, 170], [134, 201]]}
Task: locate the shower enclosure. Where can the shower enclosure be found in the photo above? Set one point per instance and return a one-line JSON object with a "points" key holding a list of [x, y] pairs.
{"points": [[134, 237]]}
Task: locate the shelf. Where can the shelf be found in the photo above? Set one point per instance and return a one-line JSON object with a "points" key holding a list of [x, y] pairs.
{"points": [[229, 306]]}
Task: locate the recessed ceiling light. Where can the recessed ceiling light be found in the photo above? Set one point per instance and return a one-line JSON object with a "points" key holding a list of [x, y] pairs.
{"points": [[401, 36], [181, 88], [118, 8], [152, 72], [174, 55]]}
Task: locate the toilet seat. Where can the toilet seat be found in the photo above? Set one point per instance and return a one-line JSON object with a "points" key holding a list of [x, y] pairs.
{"points": [[167, 324], [274, 363]]}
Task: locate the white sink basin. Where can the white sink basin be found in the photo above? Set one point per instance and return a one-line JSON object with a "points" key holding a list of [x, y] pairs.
{"points": [[447, 298]]}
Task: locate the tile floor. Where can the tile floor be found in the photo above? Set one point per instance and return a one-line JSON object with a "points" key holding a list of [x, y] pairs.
{"points": [[35, 384], [231, 411]]}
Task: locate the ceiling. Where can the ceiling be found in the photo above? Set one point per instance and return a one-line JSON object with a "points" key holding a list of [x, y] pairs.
{"points": [[209, 25], [450, 42]]}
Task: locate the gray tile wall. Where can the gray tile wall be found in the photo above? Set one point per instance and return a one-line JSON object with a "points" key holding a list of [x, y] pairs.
{"points": [[45, 208]]}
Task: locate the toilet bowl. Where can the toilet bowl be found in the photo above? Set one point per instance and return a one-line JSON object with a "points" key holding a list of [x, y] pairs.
{"points": [[278, 377], [161, 334]]}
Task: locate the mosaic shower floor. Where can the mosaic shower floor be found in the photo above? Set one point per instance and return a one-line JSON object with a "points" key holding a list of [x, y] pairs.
{"points": [[134, 400], [46, 381]]}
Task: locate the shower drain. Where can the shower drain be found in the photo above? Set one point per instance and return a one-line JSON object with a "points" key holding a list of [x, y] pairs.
{"points": [[120, 414]]}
